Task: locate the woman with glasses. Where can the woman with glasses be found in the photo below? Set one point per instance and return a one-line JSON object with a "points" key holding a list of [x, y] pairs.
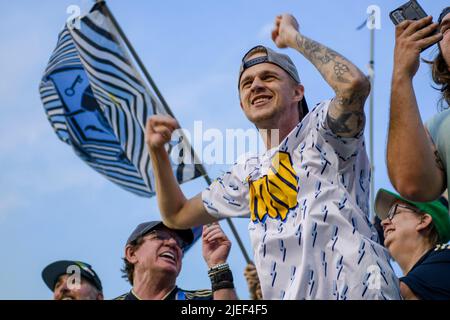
{"points": [[416, 235]]}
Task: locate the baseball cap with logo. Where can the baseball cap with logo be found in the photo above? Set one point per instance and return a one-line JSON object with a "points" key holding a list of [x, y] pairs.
{"points": [[53, 271], [279, 59], [437, 209], [142, 229]]}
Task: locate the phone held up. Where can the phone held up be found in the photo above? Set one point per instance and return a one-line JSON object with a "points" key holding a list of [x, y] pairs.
{"points": [[409, 11]]}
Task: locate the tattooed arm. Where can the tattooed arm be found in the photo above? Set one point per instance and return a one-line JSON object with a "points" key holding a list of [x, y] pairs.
{"points": [[346, 113], [414, 166]]}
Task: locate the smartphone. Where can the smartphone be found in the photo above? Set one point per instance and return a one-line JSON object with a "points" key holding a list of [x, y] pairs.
{"points": [[409, 11]]}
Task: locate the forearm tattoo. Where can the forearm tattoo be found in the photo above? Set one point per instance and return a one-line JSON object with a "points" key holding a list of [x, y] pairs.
{"points": [[328, 61], [438, 160], [347, 117]]}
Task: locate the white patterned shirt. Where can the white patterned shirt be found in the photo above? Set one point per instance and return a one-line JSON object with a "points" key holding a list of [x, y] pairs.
{"points": [[308, 201]]}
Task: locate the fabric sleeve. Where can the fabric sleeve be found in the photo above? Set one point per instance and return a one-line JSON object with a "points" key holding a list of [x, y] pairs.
{"points": [[430, 280], [438, 127], [227, 196], [432, 125]]}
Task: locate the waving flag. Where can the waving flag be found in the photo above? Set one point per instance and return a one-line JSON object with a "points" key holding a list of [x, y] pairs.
{"points": [[98, 103]]}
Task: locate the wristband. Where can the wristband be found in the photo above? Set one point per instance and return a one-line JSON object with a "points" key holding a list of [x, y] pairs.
{"points": [[221, 277]]}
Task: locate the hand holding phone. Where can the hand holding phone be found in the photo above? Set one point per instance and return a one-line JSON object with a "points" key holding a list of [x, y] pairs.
{"points": [[410, 11]]}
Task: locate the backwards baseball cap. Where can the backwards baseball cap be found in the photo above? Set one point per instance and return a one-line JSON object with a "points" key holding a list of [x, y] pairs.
{"points": [[53, 271], [437, 209], [144, 228], [279, 59], [443, 14]]}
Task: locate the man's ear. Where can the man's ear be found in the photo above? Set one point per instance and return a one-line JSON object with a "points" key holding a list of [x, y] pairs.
{"points": [[425, 222], [130, 254], [299, 92]]}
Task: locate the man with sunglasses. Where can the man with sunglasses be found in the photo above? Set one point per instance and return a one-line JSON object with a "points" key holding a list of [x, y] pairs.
{"points": [[416, 235], [153, 255]]}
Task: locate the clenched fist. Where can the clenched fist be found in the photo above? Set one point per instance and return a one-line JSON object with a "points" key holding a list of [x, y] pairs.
{"points": [[158, 130], [285, 31]]}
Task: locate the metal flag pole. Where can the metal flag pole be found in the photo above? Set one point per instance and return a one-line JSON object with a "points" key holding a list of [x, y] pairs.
{"points": [[141, 65], [372, 94], [371, 74]]}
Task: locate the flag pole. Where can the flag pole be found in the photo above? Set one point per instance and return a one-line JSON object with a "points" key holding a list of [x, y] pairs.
{"points": [[141, 65], [372, 93], [371, 76], [371, 106]]}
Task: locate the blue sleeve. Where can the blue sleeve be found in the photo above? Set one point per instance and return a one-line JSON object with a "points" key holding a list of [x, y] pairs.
{"points": [[430, 280]]}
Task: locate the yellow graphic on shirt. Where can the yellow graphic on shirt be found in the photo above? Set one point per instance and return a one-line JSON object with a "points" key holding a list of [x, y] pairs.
{"points": [[274, 194]]}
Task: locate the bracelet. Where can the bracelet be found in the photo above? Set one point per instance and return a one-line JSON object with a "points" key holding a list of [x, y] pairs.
{"points": [[222, 285], [218, 268]]}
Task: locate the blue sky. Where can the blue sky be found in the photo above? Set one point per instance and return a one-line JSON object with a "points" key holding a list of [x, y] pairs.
{"points": [[53, 206]]}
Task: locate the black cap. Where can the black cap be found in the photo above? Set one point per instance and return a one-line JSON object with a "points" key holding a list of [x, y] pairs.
{"points": [[53, 271], [146, 227]]}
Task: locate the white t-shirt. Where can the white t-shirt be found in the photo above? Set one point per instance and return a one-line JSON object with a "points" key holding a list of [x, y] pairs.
{"points": [[308, 201]]}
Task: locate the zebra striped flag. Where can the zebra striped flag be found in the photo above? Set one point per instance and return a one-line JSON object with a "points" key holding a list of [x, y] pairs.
{"points": [[98, 103]]}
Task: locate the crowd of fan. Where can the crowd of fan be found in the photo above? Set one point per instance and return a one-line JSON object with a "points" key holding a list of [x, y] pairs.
{"points": [[414, 225]]}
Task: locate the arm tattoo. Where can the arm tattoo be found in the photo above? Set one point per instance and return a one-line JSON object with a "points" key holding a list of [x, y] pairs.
{"points": [[346, 113], [320, 56], [357, 98], [347, 123], [438, 160]]}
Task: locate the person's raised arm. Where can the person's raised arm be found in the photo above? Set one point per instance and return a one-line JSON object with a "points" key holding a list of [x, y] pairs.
{"points": [[176, 211], [215, 249], [346, 113], [414, 166]]}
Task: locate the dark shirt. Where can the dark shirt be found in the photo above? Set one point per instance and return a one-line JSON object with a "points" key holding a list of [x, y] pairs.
{"points": [[175, 294], [429, 279]]}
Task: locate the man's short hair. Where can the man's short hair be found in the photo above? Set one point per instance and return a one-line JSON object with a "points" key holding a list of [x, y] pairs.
{"points": [[128, 268]]}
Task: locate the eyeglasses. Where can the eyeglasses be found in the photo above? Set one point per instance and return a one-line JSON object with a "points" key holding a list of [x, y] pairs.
{"points": [[163, 235], [393, 210]]}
